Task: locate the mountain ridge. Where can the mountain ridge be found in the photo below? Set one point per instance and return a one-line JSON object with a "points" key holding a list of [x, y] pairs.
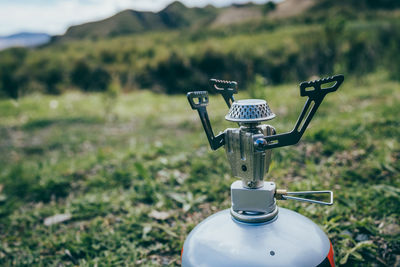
{"points": [[24, 39], [174, 16]]}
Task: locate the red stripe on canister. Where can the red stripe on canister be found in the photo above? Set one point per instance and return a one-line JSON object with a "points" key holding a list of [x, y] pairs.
{"points": [[182, 251], [331, 256]]}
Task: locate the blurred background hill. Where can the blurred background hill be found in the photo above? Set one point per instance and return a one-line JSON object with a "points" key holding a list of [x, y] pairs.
{"points": [[179, 48], [24, 39]]}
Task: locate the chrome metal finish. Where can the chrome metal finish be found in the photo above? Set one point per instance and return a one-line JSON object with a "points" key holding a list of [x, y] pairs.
{"points": [[248, 217], [246, 162], [289, 195], [250, 110], [260, 200]]}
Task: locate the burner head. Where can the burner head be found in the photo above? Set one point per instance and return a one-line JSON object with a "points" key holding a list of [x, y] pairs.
{"points": [[250, 111]]}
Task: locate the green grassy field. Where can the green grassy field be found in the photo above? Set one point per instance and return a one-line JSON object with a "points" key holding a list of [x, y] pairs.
{"points": [[136, 174]]}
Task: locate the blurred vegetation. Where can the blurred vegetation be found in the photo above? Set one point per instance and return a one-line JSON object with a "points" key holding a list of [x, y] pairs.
{"points": [[322, 41], [134, 185], [268, 7]]}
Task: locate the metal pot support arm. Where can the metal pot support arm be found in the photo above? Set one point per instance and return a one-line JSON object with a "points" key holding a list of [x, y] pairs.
{"points": [[316, 94], [226, 89], [199, 101]]}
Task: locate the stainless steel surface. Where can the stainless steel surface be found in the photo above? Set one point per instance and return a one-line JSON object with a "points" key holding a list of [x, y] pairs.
{"points": [[246, 162], [289, 240], [289, 195], [260, 200], [250, 217], [249, 110]]}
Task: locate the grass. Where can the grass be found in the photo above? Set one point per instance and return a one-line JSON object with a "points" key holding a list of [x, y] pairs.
{"points": [[138, 178]]}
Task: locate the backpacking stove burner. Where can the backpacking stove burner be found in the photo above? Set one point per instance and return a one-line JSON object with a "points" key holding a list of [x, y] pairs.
{"points": [[250, 110], [248, 147], [238, 236]]}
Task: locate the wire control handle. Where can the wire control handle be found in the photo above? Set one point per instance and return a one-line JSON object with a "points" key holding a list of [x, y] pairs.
{"points": [[316, 93], [282, 194], [199, 101]]}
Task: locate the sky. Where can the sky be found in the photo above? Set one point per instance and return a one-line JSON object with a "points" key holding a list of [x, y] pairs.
{"points": [[55, 16]]}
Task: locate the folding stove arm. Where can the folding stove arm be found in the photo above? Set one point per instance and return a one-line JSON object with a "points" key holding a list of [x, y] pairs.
{"points": [[199, 101], [226, 89], [316, 94]]}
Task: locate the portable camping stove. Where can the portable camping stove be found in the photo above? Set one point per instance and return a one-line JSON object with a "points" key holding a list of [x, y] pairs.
{"points": [[254, 232]]}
